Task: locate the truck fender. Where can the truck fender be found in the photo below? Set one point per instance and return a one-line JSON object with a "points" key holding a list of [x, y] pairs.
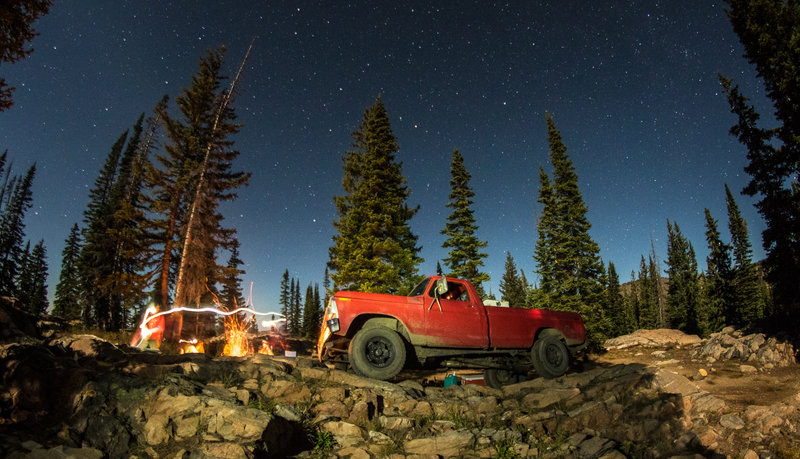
{"points": [[371, 321], [541, 333]]}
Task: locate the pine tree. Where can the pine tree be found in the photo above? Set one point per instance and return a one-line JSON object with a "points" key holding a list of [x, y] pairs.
{"points": [[194, 175], [683, 294], [570, 268], [634, 306], [716, 298], [747, 299], [619, 320], [231, 294], [128, 228], [294, 308], [326, 286], [511, 288], [311, 313], [68, 290], [200, 143], [17, 17], [32, 279], [768, 29], [96, 259], [465, 257], [12, 229], [374, 249], [648, 294], [285, 295]]}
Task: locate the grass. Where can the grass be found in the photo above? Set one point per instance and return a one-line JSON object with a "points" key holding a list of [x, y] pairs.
{"points": [[504, 449], [323, 444]]}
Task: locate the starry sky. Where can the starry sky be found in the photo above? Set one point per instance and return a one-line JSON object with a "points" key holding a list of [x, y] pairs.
{"points": [[631, 85]]}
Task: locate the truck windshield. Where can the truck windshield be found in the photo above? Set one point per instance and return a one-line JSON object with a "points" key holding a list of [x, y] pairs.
{"points": [[420, 288]]}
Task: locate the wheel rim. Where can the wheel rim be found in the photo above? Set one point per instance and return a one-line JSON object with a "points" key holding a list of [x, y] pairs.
{"points": [[553, 355], [380, 352]]}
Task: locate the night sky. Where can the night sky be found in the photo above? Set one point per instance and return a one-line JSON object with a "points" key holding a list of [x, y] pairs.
{"points": [[631, 85]]}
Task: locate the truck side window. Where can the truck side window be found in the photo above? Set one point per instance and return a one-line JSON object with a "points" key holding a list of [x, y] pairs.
{"points": [[455, 291]]}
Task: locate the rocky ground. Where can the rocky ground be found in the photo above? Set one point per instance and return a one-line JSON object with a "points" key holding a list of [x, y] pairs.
{"points": [[657, 393]]}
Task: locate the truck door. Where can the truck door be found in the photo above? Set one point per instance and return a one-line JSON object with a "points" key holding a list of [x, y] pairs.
{"points": [[453, 319]]}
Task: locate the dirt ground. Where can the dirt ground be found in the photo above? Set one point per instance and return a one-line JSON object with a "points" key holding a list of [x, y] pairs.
{"points": [[725, 379]]}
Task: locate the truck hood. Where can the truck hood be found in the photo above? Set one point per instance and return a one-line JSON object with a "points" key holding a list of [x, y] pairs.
{"points": [[373, 297]]}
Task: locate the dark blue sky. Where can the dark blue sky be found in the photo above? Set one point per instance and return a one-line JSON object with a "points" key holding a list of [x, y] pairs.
{"points": [[632, 86]]}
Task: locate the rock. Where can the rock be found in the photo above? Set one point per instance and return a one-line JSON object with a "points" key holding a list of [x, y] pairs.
{"points": [[700, 375], [550, 397], [731, 421], [335, 409], [748, 369], [447, 444], [652, 338], [61, 452], [595, 447]]}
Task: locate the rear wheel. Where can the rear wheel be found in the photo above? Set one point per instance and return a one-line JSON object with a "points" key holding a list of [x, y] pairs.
{"points": [[550, 356], [498, 378], [377, 353]]}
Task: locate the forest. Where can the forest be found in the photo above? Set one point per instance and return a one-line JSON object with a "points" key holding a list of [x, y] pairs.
{"points": [[152, 231]]}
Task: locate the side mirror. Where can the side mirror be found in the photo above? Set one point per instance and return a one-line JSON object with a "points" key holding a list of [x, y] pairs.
{"points": [[441, 286]]}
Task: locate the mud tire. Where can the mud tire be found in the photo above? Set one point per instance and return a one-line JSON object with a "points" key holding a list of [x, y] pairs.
{"points": [[550, 356], [377, 353]]}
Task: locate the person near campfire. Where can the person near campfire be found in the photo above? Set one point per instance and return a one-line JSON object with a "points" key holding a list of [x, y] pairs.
{"points": [[151, 331]]}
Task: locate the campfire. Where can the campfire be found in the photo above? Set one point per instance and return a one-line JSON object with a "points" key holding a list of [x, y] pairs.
{"points": [[240, 338]]}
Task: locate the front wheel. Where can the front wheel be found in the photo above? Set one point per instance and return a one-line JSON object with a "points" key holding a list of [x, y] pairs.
{"points": [[550, 356], [377, 353]]}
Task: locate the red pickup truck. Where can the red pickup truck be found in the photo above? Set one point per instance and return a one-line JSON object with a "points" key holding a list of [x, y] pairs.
{"points": [[443, 320]]}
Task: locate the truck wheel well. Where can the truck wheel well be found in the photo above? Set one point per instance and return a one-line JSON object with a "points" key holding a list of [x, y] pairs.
{"points": [[546, 332], [371, 321]]}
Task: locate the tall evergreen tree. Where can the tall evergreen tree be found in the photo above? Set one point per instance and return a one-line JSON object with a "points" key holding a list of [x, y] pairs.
{"points": [[748, 300], [374, 249], [231, 294], [465, 257], [634, 305], [68, 290], [128, 228], [619, 322], [311, 313], [570, 268], [511, 288], [97, 260], [285, 295], [194, 175], [683, 294], [717, 295], [326, 286], [16, 31], [768, 29], [296, 300], [648, 294], [32, 279], [12, 229]]}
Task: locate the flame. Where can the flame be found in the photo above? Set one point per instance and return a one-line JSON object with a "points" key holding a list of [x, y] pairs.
{"points": [[237, 342], [191, 346], [266, 349]]}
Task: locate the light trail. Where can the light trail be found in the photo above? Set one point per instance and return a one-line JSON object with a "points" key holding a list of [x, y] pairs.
{"points": [[150, 314]]}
